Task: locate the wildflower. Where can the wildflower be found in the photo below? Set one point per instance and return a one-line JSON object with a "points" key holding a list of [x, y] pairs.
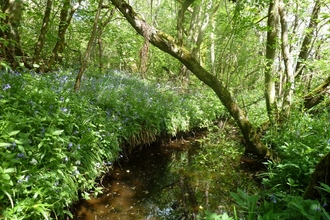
{"points": [[13, 145], [78, 162], [75, 132], [27, 178], [70, 146], [34, 161], [324, 205], [98, 165], [78, 147], [20, 155], [75, 173], [42, 130], [65, 110], [56, 184], [272, 197], [7, 86]]}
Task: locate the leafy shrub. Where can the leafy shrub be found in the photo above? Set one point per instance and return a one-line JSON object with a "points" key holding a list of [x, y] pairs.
{"points": [[300, 143]]}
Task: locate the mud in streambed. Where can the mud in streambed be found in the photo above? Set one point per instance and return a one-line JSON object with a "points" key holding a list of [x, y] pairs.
{"points": [[132, 190]]}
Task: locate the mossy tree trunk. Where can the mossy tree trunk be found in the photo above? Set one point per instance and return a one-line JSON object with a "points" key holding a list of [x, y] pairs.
{"points": [[168, 44]]}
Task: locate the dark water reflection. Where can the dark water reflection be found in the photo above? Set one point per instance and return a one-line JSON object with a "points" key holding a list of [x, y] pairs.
{"points": [[140, 187]]}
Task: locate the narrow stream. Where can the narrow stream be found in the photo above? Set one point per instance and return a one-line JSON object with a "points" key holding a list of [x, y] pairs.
{"points": [[140, 188]]}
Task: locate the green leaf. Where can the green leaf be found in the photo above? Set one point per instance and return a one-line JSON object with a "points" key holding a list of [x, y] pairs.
{"points": [[13, 133], [4, 144], [57, 132]]}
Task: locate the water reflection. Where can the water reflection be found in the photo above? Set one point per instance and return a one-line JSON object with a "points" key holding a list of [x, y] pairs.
{"points": [[133, 188]]}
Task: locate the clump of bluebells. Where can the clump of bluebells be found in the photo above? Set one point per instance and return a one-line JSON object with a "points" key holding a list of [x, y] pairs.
{"points": [[49, 141], [54, 143]]}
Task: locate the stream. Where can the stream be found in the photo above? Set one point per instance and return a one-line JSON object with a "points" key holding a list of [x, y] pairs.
{"points": [[132, 189], [173, 181]]}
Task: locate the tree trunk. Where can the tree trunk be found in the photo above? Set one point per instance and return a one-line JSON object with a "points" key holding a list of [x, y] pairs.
{"points": [[100, 33], [65, 19], [11, 46], [270, 95], [289, 83], [41, 39], [306, 45], [317, 95], [321, 175], [89, 48], [167, 44]]}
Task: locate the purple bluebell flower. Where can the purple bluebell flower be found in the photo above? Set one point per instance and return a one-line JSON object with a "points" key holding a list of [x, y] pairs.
{"points": [[20, 155], [7, 86], [272, 197]]}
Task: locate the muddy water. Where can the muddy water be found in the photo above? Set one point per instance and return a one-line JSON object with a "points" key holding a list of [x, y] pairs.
{"points": [[133, 188]]}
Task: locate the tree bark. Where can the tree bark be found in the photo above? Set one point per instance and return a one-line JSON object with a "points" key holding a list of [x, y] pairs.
{"points": [[65, 19], [41, 39], [270, 95], [317, 95], [306, 45], [167, 44], [13, 11], [89, 48], [321, 175], [289, 83]]}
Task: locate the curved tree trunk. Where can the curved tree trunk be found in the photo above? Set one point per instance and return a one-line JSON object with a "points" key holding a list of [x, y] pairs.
{"points": [[168, 44], [320, 175]]}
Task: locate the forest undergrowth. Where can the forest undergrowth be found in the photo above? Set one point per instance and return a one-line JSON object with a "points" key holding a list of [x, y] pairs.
{"points": [[55, 143]]}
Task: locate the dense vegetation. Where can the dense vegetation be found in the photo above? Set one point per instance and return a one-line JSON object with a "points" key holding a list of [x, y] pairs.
{"points": [[80, 88], [55, 142]]}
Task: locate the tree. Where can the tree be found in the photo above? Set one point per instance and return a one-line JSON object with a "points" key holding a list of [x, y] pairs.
{"points": [[10, 21], [41, 39], [168, 44], [67, 11]]}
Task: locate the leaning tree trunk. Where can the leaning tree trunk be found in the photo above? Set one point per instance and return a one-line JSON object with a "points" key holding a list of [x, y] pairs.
{"points": [[321, 175], [168, 44], [306, 44], [317, 95], [89, 48]]}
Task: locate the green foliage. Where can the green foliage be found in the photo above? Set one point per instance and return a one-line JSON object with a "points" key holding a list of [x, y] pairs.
{"points": [[54, 143], [300, 144], [279, 206]]}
